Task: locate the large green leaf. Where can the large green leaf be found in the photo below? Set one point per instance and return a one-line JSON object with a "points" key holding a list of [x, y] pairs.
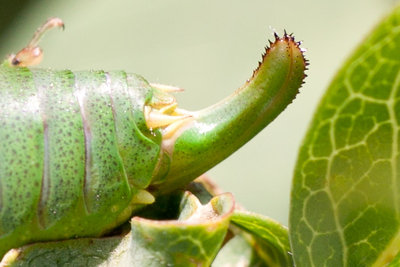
{"points": [[345, 208], [395, 262]]}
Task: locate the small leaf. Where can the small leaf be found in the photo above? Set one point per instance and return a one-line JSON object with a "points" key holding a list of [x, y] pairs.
{"points": [[192, 240], [238, 252], [345, 206], [270, 239]]}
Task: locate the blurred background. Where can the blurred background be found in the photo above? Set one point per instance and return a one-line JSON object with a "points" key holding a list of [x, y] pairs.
{"points": [[209, 48]]}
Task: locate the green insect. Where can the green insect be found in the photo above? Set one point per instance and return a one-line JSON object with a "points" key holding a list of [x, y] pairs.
{"points": [[80, 152]]}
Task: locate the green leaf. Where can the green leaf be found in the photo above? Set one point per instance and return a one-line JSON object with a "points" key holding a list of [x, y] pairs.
{"points": [[345, 208], [395, 262], [269, 238], [193, 239], [238, 251]]}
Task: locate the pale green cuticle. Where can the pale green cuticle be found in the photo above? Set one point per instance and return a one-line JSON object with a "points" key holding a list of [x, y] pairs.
{"points": [[43, 102]]}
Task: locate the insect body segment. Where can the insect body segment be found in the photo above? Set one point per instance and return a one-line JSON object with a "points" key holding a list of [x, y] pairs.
{"points": [[76, 148]]}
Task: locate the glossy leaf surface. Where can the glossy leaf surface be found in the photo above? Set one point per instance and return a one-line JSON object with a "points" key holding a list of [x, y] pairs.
{"points": [[269, 238], [345, 206], [238, 251]]}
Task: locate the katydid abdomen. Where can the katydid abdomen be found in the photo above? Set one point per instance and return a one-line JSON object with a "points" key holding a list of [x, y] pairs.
{"points": [[75, 150], [81, 151]]}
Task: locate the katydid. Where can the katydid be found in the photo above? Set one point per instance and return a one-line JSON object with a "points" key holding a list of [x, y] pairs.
{"points": [[82, 151]]}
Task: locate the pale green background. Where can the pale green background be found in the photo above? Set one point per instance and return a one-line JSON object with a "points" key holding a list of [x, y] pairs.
{"points": [[210, 48]]}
